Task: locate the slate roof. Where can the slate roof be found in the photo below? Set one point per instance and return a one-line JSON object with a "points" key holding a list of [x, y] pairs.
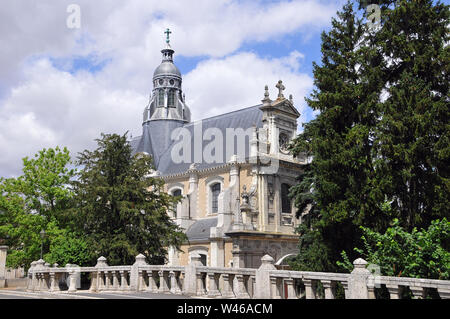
{"points": [[156, 141], [200, 229]]}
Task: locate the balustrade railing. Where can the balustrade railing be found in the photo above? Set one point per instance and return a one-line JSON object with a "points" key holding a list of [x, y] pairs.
{"points": [[218, 282]]}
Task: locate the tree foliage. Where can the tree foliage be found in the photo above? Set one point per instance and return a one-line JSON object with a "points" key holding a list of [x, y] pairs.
{"points": [[419, 254], [119, 207], [35, 201], [380, 144]]}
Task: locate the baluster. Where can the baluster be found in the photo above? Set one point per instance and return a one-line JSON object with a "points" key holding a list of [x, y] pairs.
{"points": [[178, 285], [213, 285], [290, 288], [241, 292], [173, 282], [116, 280], [201, 287], [227, 286], [142, 286], [394, 291], [444, 293], [330, 289], [345, 286], [123, 280], [54, 282], [418, 292], [108, 280], [275, 287], [310, 288], [72, 282], [101, 281], [94, 283], [163, 284]]}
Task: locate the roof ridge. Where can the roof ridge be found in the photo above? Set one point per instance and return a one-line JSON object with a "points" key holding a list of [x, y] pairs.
{"points": [[219, 115]]}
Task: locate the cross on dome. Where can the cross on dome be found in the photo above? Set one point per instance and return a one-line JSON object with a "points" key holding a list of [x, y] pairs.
{"points": [[168, 32]]}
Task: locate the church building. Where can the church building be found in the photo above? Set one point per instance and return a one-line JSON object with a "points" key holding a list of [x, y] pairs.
{"points": [[233, 172]]}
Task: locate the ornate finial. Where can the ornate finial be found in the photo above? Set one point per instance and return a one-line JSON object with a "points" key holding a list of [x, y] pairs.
{"points": [[266, 101], [280, 88], [168, 32], [266, 92]]}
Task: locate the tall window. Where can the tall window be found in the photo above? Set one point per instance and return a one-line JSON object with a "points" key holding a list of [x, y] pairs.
{"points": [[176, 193], [285, 200], [215, 191], [171, 99], [161, 98]]}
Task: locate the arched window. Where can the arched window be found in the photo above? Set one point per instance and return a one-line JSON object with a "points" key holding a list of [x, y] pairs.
{"points": [[285, 200], [215, 191], [203, 259], [177, 192], [171, 99], [161, 98]]}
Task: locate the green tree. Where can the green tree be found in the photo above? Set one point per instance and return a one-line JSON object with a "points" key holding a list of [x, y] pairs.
{"points": [[419, 254], [413, 134], [339, 140], [34, 201], [120, 207], [380, 145]]}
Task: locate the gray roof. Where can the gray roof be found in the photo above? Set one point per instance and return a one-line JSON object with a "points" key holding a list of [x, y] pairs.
{"points": [[156, 138], [200, 229], [167, 68]]}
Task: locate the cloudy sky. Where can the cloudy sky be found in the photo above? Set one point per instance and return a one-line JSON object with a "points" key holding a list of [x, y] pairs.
{"points": [[62, 86]]}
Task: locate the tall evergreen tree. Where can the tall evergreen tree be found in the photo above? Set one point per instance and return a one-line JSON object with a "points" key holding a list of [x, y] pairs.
{"points": [[380, 145], [120, 207], [339, 139], [413, 135]]}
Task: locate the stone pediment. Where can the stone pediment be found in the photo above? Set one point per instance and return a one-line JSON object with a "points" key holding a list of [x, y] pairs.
{"points": [[282, 104]]}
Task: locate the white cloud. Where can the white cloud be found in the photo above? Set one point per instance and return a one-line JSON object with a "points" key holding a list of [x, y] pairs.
{"points": [[42, 106]]}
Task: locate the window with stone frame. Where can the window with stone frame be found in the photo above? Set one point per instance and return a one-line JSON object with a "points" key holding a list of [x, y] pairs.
{"points": [[161, 98], [171, 99], [215, 191], [285, 200]]}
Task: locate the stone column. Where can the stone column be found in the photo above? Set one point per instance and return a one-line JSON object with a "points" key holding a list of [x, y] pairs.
{"points": [[330, 288], [134, 274], [108, 280], [394, 291], [241, 292], [116, 280], [213, 291], [357, 283], [227, 286], [310, 288], [72, 281], [290, 288], [163, 278], [94, 279], [123, 280], [275, 286], [418, 292], [201, 291], [152, 286], [262, 278], [190, 275], [54, 282], [3, 254]]}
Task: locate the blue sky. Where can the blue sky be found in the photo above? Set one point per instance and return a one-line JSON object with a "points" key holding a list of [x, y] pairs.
{"points": [[64, 86]]}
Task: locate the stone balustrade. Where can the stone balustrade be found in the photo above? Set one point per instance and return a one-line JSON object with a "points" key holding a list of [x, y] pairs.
{"points": [[242, 283]]}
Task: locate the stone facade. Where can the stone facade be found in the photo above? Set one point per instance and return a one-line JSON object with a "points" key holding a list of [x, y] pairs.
{"points": [[236, 209]]}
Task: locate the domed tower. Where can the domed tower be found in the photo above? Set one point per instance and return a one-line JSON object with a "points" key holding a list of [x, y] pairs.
{"points": [[167, 100], [166, 109]]}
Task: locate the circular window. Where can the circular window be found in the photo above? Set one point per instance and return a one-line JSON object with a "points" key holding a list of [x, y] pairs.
{"points": [[161, 81], [172, 82]]}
